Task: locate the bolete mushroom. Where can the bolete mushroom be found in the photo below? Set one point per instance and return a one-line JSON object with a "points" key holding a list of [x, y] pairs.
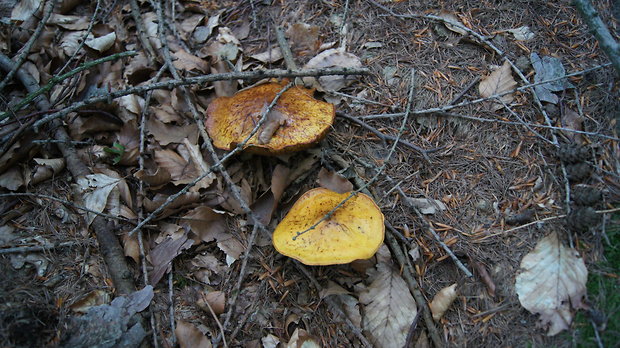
{"points": [[297, 121], [355, 230]]}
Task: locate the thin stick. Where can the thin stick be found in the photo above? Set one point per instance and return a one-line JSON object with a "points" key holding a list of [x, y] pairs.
{"points": [[608, 44], [137, 17], [329, 214], [415, 289], [63, 201], [286, 50], [241, 75], [84, 37], [59, 78], [47, 12], [464, 91], [35, 248], [171, 306], [447, 249], [334, 305], [217, 320]]}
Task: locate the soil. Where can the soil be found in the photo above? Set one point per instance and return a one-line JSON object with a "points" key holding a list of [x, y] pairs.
{"points": [[504, 175]]}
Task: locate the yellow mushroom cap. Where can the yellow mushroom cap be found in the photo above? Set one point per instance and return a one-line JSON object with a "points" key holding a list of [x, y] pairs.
{"points": [[355, 230], [303, 120]]}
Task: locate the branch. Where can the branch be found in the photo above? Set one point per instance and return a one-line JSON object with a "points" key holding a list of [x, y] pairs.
{"points": [[610, 46], [170, 84]]}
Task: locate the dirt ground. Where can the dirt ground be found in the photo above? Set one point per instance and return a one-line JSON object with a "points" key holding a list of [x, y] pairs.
{"points": [[494, 178]]}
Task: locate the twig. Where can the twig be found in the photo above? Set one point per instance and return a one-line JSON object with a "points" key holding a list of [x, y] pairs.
{"points": [[217, 320], [243, 75], [464, 91], [84, 37], [343, 27], [286, 50], [412, 327], [35, 248], [137, 17], [64, 201], [602, 34], [445, 247], [334, 305], [59, 78], [384, 137], [329, 214], [173, 335], [415, 289], [108, 243], [47, 12]]}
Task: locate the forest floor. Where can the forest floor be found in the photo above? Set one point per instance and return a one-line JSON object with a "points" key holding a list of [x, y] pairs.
{"points": [[506, 188]]}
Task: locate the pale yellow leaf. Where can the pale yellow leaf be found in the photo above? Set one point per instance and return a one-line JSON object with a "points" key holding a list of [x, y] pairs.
{"points": [[552, 281], [442, 301]]}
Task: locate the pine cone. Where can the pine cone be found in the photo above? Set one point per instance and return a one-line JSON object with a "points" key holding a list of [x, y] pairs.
{"points": [[578, 171], [573, 153], [586, 195], [582, 218]]}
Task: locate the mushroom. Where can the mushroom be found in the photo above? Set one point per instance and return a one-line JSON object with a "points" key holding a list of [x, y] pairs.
{"points": [[355, 230], [296, 122]]}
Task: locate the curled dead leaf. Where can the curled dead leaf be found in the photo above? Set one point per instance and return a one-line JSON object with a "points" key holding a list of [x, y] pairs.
{"points": [[498, 82], [442, 301]]}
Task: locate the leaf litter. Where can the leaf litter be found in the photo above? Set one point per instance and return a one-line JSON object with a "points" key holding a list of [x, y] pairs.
{"points": [[204, 232]]}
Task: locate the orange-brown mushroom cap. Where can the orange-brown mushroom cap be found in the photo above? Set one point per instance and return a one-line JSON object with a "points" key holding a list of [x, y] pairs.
{"points": [[304, 120], [355, 231]]}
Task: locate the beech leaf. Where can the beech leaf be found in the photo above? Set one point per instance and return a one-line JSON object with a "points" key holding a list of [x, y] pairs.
{"points": [[500, 81], [552, 281], [389, 308]]}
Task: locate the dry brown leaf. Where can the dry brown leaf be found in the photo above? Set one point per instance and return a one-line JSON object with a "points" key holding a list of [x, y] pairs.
{"points": [[303, 36], [138, 69], [90, 300], [95, 189], [190, 337], [181, 202], [154, 177], [69, 22], [499, 81], [205, 223], [189, 62], [181, 171], [131, 247], [388, 308], [12, 179], [162, 255], [452, 22], [25, 9], [552, 281], [215, 299], [168, 133], [46, 168], [102, 43], [231, 247], [302, 339], [572, 120], [189, 24], [334, 181], [274, 120], [201, 166], [271, 56], [442, 301]]}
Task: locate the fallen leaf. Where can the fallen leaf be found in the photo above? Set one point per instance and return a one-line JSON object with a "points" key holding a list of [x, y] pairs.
{"points": [[231, 246], [189, 62], [201, 166], [270, 341], [552, 281], [181, 171], [180, 202], [102, 43], [522, 33], [572, 120], [266, 204], [427, 206], [215, 299], [154, 179], [190, 337], [303, 36], [69, 22], [95, 190], [25, 9], [90, 300], [205, 223], [332, 58], [12, 179], [271, 56], [302, 339], [442, 301], [189, 24], [499, 81], [389, 308], [334, 181], [452, 22], [548, 68], [131, 247], [162, 255]]}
